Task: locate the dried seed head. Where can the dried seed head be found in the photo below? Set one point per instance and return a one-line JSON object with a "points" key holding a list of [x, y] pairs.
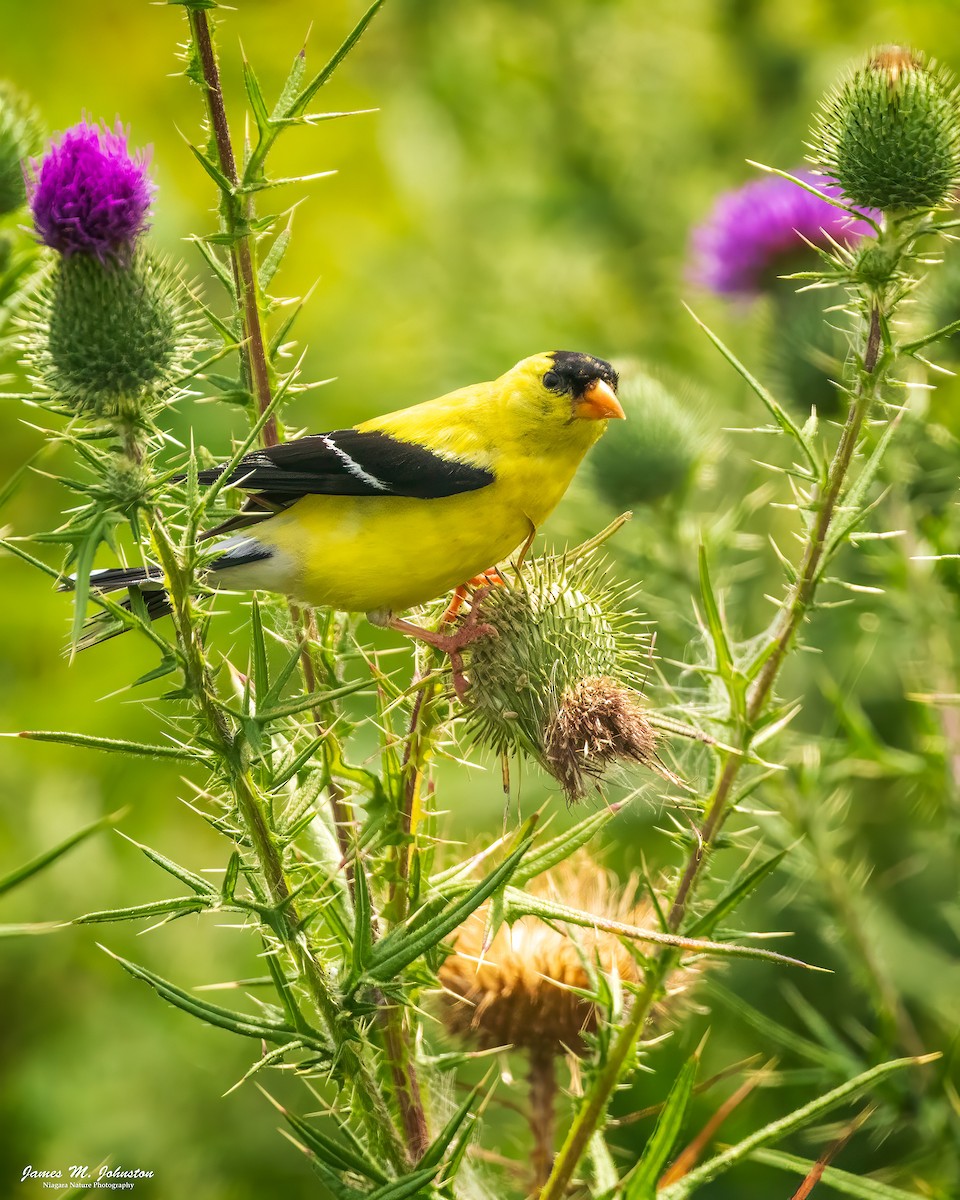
{"points": [[531, 986], [597, 723]]}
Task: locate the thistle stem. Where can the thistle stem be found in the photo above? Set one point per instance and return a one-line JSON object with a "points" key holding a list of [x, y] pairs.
{"points": [[542, 1078], [256, 365], [874, 365], [254, 357], [228, 749]]}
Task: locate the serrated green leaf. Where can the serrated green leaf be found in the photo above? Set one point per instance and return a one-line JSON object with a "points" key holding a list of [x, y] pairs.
{"points": [[336, 1154], [833, 1177], [211, 168], [734, 896], [223, 1018], [642, 1182], [409, 1185], [196, 883], [274, 257], [715, 626], [307, 94], [217, 266], [558, 849], [299, 704], [115, 745], [291, 86], [854, 507], [520, 904], [402, 947], [776, 1130], [363, 919], [254, 94], [230, 876], [180, 906], [779, 414], [13, 878], [295, 765]]}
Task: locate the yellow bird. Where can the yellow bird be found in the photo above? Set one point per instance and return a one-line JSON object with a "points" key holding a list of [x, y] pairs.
{"points": [[398, 510]]}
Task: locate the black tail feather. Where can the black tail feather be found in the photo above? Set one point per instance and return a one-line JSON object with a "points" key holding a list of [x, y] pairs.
{"points": [[116, 578], [146, 581]]}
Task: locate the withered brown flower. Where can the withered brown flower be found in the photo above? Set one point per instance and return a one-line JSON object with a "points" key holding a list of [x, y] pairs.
{"points": [[526, 988]]}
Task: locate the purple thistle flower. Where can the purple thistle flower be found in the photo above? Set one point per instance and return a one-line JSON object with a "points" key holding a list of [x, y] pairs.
{"points": [[89, 195], [751, 231]]}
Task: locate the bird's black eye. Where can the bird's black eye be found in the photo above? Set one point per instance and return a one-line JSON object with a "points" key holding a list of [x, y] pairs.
{"points": [[551, 381]]}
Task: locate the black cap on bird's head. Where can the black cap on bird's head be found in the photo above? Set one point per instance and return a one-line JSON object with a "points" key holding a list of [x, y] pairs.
{"points": [[590, 382]]}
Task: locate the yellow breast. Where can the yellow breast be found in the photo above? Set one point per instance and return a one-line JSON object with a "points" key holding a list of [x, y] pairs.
{"points": [[359, 554]]}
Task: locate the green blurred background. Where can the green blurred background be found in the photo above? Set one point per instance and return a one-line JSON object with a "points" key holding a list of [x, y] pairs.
{"points": [[528, 182]]}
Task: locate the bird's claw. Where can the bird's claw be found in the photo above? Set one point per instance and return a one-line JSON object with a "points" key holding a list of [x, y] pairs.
{"points": [[470, 629]]}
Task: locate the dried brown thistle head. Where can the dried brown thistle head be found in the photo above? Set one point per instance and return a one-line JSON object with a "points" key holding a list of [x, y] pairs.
{"points": [[598, 722], [524, 989]]}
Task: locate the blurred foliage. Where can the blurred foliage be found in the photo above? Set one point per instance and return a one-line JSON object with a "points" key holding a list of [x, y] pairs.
{"points": [[528, 183]]}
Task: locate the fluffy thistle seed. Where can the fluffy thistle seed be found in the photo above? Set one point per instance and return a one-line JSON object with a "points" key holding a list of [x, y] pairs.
{"points": [[597, 723], [889, 135]]}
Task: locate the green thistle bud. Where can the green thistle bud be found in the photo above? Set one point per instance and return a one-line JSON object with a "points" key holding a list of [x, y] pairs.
{"points": [[890, 134], [108, 338], [20, 136], [559, 683], [657, 451]]}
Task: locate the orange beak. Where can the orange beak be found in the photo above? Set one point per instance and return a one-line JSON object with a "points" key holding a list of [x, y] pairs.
{"points": [[599, 403]]}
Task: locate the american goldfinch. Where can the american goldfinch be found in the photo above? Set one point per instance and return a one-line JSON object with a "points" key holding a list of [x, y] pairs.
{"points": [[396, 511]]}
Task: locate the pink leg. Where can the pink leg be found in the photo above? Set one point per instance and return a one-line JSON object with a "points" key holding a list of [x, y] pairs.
{"points": [[451, 644]]}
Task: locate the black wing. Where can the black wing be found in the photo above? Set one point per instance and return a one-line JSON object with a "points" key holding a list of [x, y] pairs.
{"points": [[346, 462]]}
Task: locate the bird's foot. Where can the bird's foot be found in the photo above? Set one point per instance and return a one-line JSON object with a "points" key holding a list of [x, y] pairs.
{"points": [[461, 593], [470, 629]]}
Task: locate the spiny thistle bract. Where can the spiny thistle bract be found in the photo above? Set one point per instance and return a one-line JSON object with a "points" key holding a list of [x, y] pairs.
{"points": [[657, 452], [560, 683], [105, 338], [19, 138], [889, 135]]}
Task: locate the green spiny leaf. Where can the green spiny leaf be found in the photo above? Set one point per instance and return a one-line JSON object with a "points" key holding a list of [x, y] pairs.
{"points": [[336, 1154], [779, 414], [20, 874], [558, 849], [402, 947], [116, 745], [776, 1130], [196, 883], [832, 1177], [642, 1184], [180, 906], [734, 896], [213, 1014]]}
